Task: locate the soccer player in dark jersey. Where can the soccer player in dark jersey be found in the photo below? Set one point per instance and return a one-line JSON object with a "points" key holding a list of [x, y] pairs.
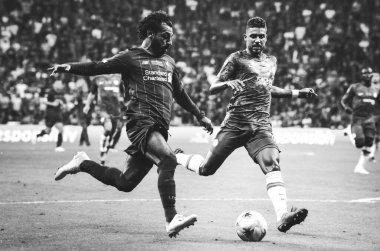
{"points": [[359, 101], [376, 83], [250, 74], [106, 90], [153, 86], [55, 102], [84, 119]]}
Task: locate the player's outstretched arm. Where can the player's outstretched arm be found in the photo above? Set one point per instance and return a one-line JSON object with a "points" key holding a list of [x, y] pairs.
{"points": [[347, 100], [116, 64], [278, 92]]}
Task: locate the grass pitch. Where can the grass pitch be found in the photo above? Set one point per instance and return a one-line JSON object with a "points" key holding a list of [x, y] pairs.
{"points": [[79, 213]]}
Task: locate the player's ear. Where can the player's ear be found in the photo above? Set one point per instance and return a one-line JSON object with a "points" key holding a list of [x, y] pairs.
{"points": [[245, 36]]}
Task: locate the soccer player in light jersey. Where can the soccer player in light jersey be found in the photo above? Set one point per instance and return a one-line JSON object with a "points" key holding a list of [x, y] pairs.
{"points": [[359, 100], [106, 90], [250, 74], [153, 85]]}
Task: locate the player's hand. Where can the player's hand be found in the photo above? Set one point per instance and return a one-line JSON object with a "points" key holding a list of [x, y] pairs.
{"points": [[59, 68], [86, 109], [348, 110], [307, 93], [236, 85], [207, 124]]}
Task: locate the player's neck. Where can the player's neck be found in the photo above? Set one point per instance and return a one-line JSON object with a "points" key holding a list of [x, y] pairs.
{"points": [[257, 55], [146, 46]]}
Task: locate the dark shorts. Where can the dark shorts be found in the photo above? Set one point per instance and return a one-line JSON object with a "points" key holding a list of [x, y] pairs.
{"points": [[51, 118], [138, 131], [254, 141], [110, 106], [363, 128]]}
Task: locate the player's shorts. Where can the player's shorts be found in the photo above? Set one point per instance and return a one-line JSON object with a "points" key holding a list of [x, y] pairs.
{"points": [[226, 141], [51, 118], [138, 131], [363, 127]]}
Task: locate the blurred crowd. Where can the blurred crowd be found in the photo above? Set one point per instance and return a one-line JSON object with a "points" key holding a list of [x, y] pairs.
{"points": [[318, 43]]}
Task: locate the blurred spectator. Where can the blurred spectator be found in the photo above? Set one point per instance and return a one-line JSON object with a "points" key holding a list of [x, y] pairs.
{"points": [[319, 44]]}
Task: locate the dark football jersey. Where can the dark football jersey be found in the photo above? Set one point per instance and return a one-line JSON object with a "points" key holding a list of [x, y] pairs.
{"points": [[361, 99], [251, 106], [51, 97], [152, 81]]}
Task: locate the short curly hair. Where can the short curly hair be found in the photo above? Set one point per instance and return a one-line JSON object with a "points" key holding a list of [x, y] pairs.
{"points": [[256, 22], [153, 22]]}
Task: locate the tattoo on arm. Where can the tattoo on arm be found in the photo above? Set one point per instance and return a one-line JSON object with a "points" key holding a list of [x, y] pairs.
{"points": [[226, 72]]}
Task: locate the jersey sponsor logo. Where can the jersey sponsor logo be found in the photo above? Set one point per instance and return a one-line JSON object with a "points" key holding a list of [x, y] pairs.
{"points": [[157, 75], [367, 100]]}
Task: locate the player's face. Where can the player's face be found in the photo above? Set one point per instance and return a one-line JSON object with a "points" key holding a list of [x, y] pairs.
{"points": [[255, 39], [162, 40]]}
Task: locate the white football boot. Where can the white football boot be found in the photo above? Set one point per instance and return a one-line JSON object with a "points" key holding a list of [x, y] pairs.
{"points": [[72, 167], [178, 223], [59, 149]]}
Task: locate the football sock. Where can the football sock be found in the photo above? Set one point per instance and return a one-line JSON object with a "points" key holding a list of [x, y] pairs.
{"points": [[277, 192], [361, 162], [59, 140], [84, 137], [190, 161], [166, 188]]}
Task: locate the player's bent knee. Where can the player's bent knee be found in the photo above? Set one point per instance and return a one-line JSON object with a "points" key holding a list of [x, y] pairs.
{"points": [[168, 163], [269, 164]]}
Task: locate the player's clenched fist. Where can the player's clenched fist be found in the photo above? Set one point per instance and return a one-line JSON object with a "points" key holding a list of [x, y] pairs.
{"points": [[59, 68], [307, 93]]}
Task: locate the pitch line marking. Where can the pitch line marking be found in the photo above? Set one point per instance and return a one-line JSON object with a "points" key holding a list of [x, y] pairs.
{"points": [[363, 200]]}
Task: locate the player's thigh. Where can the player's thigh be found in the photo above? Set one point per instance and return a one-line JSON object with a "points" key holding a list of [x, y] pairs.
{"points": [[59, 126], [357, 131], [263, 150], [107, 121], [136, 168], [157, 149], [369, 130], [223, 145]]}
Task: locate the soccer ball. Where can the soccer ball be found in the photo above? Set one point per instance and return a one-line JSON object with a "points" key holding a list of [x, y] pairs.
{"points": [[251, 226]]}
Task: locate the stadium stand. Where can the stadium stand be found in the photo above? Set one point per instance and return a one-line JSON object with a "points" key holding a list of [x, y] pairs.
{"points": [[316, 43]]}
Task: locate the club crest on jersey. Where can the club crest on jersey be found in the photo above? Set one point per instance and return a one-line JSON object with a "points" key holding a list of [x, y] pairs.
{"points": [[157, 62]]}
